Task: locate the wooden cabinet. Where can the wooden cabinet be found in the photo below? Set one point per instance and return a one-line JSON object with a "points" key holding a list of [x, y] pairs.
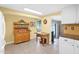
{"points": [[21, 32], [72, 30]]}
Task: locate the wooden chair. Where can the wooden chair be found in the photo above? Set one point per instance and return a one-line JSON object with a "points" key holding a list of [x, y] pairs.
{"points": [[44, 39]]}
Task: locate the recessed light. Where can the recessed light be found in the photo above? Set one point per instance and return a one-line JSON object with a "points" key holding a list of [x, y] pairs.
{"points": [[33, 11]]}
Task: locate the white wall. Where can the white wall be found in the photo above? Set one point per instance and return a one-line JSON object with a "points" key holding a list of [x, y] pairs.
{"points": [[2, 32]]}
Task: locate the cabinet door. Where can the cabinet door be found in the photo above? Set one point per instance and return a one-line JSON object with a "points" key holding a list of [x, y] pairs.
{"points": [[67, 49], [77, 11], [60, 45], [76, 47], [18, 38], [66, 46], [68, 15], [57, 17]]}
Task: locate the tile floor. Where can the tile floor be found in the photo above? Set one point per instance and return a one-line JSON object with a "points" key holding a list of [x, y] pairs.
{"points": [[32, 47]]}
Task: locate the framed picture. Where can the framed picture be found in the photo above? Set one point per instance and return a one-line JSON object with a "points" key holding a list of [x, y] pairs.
{"points": [[32, 24]]}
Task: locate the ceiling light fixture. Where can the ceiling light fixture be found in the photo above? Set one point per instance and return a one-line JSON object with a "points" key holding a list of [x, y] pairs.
{"points": [[33, 11]]}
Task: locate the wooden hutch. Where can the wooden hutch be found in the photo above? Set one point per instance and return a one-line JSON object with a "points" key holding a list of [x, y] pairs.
{"points": [[21, 31]]}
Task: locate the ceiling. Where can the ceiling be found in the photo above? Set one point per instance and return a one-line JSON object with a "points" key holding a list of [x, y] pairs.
{"points": [[43, 8]]}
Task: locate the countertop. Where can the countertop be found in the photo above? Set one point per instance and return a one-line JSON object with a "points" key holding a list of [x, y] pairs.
{"points": [[75, 37]]}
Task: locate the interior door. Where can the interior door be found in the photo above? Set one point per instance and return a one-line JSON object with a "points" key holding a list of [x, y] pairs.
{"points": [[54, 29]]}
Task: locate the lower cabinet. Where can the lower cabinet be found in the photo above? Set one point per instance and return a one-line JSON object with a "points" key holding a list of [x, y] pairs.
{"points": [[68, 46], [21, 36], [76, 51]]}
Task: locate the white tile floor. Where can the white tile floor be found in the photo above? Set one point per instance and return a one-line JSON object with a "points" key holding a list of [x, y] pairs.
{"points": [[32, 47]]}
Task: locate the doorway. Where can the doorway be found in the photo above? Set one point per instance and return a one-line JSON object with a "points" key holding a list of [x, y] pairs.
{"points": [[55, 29]]}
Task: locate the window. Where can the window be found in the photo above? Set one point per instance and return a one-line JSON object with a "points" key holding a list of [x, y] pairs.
{"points": [[38, 26]]}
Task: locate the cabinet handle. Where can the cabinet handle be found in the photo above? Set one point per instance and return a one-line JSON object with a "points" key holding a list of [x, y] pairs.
{"points": [[65, 40], [72, 45], [77, 46]]}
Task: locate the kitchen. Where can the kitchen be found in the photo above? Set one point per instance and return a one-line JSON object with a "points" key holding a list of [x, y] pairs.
{"points": [[68, 42], [68, 32]]}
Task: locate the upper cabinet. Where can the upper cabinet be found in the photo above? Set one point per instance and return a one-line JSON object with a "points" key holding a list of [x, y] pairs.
{"points": [[70, 14], [57, 17], [77, 13]]}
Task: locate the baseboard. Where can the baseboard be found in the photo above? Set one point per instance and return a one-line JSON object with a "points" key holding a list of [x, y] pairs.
{"points": [[9, 42]]}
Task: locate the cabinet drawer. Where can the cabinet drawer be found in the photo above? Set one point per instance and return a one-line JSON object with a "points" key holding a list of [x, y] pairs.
{"points": [[68, 40]]}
